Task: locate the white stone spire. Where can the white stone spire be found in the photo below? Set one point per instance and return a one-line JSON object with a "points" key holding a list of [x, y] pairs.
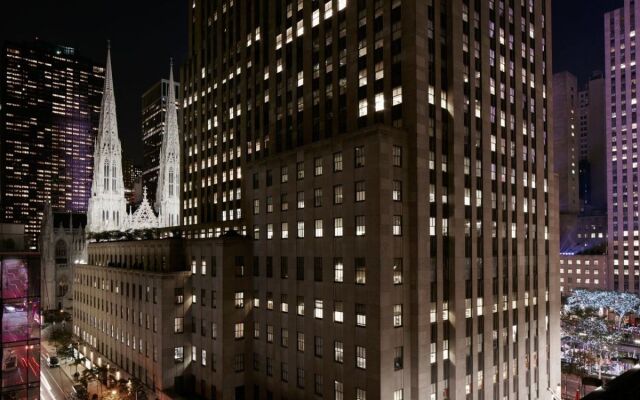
{"points": [[107, 204], [168, 192]]}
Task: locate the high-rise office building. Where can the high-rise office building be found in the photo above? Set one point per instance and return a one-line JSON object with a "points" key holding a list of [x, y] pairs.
{"points": [[50, 100], [132, 179], [623, 207], [592, 164], [391, 162], [567, 153], [154, 115]]}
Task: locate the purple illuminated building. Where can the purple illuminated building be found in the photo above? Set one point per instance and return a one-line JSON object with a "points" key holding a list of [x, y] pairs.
{"points": [[49, 109]]}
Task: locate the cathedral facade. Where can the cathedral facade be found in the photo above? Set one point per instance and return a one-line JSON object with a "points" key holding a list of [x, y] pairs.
{"points": [[64, 237], [64, 244], [107, 204]]}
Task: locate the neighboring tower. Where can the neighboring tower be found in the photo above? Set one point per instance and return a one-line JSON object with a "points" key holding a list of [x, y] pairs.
{"points": [[593, 145], [621, 66], [565, 139], [49, 111], [107, 205], [392, 163], [168, 192], [132, 177], [154, 110]]}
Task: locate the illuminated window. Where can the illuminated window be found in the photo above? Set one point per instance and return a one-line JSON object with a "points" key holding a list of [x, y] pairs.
{"points": [[338, 352], [379, 102], [178, 325], [337, 227], [360, 191], [338, 312], [397, 271], [397, 96], [337, 162], [317, 166], [397, 225], [338, 270], [362, 108], [397, 315], [337, 194], [318, 228], [238, 331], [318, 310], [361, 271], [360, 225], [239, 299]]}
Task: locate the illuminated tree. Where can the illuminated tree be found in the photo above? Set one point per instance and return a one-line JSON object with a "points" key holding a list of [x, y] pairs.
{"points": [[621, 304]]}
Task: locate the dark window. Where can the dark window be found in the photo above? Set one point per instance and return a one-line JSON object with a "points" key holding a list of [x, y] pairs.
{"points": [[300, 268], [317, 269]]}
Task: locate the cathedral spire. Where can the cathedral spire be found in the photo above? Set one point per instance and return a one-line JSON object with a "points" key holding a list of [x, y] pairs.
{"points": [[107, 202], [167, 195], [108, 127]]}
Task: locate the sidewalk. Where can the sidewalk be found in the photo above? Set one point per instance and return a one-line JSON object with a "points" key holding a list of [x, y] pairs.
{"points": [[96, 387], [69, 368]]}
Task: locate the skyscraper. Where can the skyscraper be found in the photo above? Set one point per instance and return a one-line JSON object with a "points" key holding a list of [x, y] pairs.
{"points": [[132, 180], [154, 111], [50, 99], [623, 207], [567, 155], [391, 163], [593, 137]]}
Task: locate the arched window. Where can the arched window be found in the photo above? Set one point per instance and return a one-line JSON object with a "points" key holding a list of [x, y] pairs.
{"points": [[171, 182], [106, 176], [113, 177], [61, 252]]}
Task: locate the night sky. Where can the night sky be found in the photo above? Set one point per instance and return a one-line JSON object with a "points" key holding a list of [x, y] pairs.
{"points": [[145, 33]]}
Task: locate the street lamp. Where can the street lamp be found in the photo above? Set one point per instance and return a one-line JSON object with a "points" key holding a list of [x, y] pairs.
{"points": [[130, 386]]}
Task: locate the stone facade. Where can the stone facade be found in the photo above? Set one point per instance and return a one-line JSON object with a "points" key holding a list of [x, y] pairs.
{"points": [[583, 272], [63, 244], [132, 302]]}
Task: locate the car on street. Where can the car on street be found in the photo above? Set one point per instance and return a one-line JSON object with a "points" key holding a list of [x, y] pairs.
{"points": [[52, 362]]}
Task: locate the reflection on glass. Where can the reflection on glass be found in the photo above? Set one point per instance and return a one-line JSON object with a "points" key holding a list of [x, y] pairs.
{"points": [[20, 324], [20, 365], [15, 282]]}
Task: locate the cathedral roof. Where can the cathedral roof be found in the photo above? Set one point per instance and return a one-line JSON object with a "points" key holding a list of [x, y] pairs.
{"points": [[66, 220]]}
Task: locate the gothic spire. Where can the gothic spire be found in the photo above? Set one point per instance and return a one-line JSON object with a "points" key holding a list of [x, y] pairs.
{"points": [[171, 126], [107, 209], [108, 125], [167, 195]]}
